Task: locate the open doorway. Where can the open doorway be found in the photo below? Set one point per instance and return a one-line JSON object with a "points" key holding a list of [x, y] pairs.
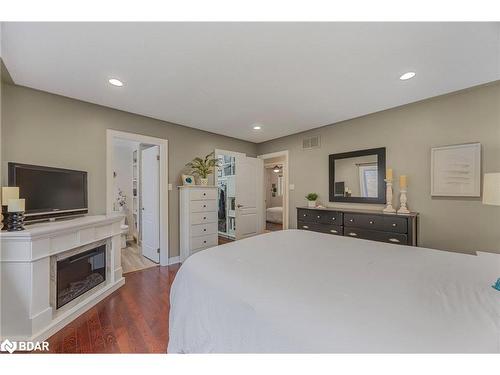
{"points": [[276, 190], [239, 179], [136, 175]]}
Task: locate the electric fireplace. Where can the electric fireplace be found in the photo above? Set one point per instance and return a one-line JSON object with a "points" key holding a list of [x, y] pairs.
{"points": [[79, 273]]}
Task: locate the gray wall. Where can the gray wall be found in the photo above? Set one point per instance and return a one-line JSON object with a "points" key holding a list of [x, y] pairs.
{"points": [[45, 129], [408, 133]]}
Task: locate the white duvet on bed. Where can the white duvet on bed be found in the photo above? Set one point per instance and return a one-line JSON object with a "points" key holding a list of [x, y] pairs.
{"points": [[274, 215], [300, 291]]}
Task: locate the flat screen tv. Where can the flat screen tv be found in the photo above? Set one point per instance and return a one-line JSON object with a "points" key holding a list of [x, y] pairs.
{"points": [[50, 192]]}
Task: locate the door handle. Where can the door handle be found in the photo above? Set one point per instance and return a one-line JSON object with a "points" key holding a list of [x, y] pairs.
{"points": [[239, 205]]}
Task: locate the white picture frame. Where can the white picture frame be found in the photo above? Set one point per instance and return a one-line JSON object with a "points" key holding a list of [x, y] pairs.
{"points": [[188, 179], [456, 170]]}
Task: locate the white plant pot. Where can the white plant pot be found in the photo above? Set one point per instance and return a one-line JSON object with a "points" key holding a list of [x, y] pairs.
{"points": [[204, 181], [311, 204]]}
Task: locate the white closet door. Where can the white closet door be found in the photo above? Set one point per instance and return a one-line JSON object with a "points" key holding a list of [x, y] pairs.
{"points": [[249, 196]]}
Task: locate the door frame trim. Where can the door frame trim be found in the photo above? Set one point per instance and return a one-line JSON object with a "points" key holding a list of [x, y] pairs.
{"points": [[286, 199], [163, 144]]}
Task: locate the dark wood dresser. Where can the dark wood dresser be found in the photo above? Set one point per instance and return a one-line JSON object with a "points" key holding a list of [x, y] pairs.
{"points": [[365, 224]]}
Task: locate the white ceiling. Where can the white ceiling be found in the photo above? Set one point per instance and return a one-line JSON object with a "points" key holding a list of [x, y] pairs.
{"points": [[224, 77]]}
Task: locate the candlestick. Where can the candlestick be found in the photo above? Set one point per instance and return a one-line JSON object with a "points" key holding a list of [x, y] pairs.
{"points": [[14, 213], [403, 201], [14, 221], [388, 194]]}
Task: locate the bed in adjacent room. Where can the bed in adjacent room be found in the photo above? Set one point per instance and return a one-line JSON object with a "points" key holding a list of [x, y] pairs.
{"points": [[274, 215], [301, 292]]}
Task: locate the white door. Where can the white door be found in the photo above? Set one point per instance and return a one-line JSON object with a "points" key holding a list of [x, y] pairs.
{"points": [[150, 211], [249, 197]]}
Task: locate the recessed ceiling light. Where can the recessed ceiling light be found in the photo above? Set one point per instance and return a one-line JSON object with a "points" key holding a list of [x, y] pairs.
{"points": [[407, 75], [115, 82], [257, 127]]}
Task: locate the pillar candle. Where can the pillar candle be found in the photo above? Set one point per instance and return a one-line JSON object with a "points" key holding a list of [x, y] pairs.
{"points": [[403, 183], [16, 205], [388, 174], [9, 193]]}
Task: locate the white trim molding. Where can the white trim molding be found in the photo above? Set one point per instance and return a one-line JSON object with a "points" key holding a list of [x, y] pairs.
{"points": [[174, 260], [163, 144], [286, 169]]}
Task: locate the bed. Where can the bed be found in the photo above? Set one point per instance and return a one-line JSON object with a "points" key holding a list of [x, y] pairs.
{"points": [[300, 292], [274, 215]]}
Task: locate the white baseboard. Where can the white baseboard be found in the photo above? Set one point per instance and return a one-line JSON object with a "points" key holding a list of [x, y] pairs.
{"points": [[174, 260]]}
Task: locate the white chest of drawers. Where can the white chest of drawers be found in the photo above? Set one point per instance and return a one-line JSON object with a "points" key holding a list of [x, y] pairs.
{"points": [[198, 219]]}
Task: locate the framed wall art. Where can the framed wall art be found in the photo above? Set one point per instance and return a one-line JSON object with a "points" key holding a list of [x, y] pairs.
{"points": [[456, 170]]}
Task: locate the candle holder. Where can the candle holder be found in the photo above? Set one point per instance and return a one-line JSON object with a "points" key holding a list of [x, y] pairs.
{"points": [[3, 217], [388, 197], [403, 201], [14, 221]]}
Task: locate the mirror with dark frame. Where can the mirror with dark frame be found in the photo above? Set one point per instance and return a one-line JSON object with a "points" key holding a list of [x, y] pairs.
{"points": [[358, 176]]}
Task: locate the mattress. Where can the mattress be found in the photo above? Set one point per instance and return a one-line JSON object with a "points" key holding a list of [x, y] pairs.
{"points": [[274, 215], [306, 292]]}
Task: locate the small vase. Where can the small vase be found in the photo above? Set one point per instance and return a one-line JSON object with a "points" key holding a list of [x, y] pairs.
{"points": [[311, 204], [204, 181]]}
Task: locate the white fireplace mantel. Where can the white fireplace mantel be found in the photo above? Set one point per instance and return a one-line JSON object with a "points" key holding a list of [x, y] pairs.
{"points": [[25, 274]]}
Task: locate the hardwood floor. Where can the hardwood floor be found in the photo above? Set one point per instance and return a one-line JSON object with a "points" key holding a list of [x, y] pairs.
{"points": [[134, 319], [273, 226], [132, 259], [223, 240]]}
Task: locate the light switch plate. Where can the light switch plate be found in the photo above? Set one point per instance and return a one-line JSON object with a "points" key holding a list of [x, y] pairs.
{"points": [[169, 186], [292, 186]]}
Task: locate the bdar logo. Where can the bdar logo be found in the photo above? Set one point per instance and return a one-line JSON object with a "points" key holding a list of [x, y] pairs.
{"points": [[8, 346]]}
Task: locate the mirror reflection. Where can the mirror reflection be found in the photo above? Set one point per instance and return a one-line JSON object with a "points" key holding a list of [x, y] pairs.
{"points": [[356, 177]]}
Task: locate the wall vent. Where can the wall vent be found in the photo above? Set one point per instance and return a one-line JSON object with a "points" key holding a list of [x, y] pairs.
{"points": [[310, 143]]}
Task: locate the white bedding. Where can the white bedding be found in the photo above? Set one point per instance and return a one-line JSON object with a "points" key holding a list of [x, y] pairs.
{"points": [[274, 215], [301, 291]]}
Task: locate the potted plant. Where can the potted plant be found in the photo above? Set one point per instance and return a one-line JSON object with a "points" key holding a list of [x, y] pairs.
{"points": [[311, 199], [203, 167]]}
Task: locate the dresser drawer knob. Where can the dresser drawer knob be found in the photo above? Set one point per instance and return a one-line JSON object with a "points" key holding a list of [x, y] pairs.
{"points": [[351, 220], [394, 240], [333, 218], [318, 216], [371, 221], [204, 229], [333, 231], [204, 218], [394, 225], [353, 234], [204, 206], [305, 226], [304, 215], [204, 194], [204, 241]]}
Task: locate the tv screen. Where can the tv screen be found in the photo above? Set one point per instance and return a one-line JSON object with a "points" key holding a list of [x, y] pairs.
{"points": [[49, 190]]}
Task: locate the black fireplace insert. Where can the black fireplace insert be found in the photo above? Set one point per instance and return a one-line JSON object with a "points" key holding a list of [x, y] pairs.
{"points": [[80, 273]]}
